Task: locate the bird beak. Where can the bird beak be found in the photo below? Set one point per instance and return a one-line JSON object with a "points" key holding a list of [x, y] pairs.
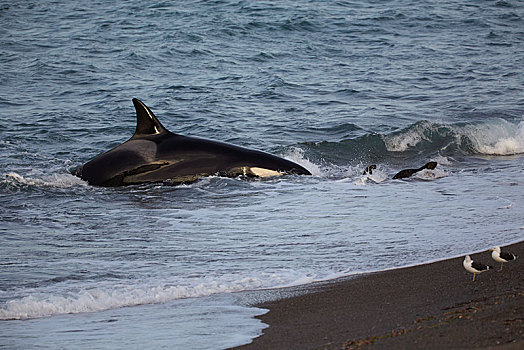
{"points": [[490, 249]]}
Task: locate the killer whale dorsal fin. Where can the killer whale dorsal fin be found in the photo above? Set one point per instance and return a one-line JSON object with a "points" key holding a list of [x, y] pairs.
{"points": [[146, 121]]}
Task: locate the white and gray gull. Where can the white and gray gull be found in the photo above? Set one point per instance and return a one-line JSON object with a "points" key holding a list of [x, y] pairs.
{"points": [[474, 267], [501, 257]]}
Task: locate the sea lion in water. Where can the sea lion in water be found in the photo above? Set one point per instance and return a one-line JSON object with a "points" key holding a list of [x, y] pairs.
{"points": [[369, 169], [408, 172]]}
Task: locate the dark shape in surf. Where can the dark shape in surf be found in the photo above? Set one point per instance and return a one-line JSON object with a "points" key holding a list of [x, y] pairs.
{"points": [[409, 172], [369, 170], [155, 154]]}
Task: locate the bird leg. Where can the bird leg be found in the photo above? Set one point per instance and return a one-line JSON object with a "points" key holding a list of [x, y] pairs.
{"points": [[501, 264], [474, 274]]}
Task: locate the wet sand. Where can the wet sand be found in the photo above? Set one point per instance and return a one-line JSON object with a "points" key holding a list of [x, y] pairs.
{"points": [[431, 306]]}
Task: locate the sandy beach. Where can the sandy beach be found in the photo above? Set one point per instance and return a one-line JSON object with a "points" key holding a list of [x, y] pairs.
{"points": [[431, 306]]}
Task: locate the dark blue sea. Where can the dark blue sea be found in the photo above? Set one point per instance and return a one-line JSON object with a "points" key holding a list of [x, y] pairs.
{"points": [[332, 85]]}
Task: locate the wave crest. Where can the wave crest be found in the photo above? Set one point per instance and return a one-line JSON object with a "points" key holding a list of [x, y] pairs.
{"points": [[54, 180], [491, 137], [413, 135], [425, 140], [96, 299], [498, 137]]}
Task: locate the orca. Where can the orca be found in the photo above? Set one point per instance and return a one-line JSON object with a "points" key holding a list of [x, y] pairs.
{"points": [[154, 154]]}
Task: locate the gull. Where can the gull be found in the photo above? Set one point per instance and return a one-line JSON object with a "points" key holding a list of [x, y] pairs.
{"points": [[501, 257], [474, 267]]}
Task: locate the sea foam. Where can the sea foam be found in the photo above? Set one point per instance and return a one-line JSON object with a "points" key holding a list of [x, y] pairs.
{"points": [[297, 155], [410, 137], [496, 137], [54, 180], [42, 304]]}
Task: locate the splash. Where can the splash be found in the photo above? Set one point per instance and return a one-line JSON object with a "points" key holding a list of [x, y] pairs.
{"points": [[379, 175], [54, 180], [96, 299], [429, 175], [496, 137], [410, 137], [297, 155]]}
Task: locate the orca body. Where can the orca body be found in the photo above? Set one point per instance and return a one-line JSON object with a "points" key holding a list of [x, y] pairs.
{"points": [[155, 154]]}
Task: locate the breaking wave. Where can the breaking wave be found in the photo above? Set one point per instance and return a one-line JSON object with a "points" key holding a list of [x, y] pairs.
{"points": [[55, 180], [43, 304], [498, 137], [493, 137], [425, 139]]}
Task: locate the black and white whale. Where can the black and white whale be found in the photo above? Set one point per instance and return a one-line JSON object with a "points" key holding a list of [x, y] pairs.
{"points": [[155, 154]]}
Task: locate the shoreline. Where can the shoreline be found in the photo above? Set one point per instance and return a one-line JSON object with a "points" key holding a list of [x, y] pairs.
{"points": [[434, 305]]}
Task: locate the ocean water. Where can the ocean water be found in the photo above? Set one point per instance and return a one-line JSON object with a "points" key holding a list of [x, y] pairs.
{"points": [[332, 85]]}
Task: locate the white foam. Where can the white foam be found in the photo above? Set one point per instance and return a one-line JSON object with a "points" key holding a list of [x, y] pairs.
{"points": [[297, 155], [497, 137], [378, 176], [492, 137], [441, 160], [54, 180], [408, 138], [431, 174], [43, 304]]}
